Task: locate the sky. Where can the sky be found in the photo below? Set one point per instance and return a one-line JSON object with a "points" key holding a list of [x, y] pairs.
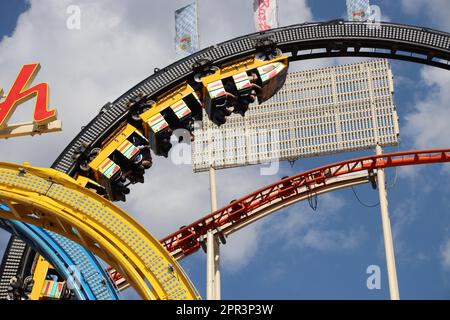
{"points": [[296, 253]]}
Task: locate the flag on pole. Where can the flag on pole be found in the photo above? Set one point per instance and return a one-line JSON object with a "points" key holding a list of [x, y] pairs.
{"points": [[265, 14], [186, 30], [358, 10]]}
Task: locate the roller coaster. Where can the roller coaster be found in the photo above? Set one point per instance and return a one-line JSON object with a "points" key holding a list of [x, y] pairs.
{"points": [[61, 217]]}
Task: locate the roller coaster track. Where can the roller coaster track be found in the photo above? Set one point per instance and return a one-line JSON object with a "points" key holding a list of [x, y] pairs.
{"points": [[52, 200], [335, 38], [66, 261], [62, 253], [300, 42], [16, 263], [288, 191]]}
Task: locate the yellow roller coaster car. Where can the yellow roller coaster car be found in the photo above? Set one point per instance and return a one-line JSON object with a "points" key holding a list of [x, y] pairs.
{"points": [[233, 87], [48, 285], [53, 290], [121, 161], [223, 90], [177, 109]]}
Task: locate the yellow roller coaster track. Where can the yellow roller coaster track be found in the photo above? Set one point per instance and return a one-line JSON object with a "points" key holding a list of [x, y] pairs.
{"points": [[52, 200]]}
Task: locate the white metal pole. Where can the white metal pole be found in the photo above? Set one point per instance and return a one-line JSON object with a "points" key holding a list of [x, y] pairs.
{"points": [[197, 10], [387, 233], [210, 289], [217, 295], [212, 245], [212, 248]]}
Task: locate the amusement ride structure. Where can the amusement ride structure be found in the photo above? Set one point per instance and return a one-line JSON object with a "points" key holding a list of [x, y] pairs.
{"points": [[59, 217]]}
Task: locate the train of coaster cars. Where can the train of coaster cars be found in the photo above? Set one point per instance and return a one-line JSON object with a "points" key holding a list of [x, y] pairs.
{"points": [[123, 158]]}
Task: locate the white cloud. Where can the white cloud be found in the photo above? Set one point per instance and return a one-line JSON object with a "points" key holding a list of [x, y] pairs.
{"points": [[428, 124], [329, 240], [240, 248], [445, 255], [4, 238], [118, 45], [403, 215], [84, 68], [294, 11], [436, 10], [275, 272], [303, 228], [410, 172]]}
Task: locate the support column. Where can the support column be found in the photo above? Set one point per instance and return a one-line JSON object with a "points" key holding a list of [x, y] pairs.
{"points": [[216, 270], [210, 266], [212, 248], [387, 233]]}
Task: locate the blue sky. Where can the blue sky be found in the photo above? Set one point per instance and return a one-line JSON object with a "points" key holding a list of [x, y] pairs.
{"points": [[296, 253]]}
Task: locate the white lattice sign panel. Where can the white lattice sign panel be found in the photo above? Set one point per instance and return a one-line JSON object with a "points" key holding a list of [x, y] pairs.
{"points": [[317, 112]]}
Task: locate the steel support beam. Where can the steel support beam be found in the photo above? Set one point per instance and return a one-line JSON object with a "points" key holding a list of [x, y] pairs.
{"points": [[212, 248], [387, 233]]}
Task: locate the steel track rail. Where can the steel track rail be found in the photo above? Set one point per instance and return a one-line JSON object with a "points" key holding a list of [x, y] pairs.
{"points": [[421, 45], [69, 263], [280, 194], [52, 200], [288, 191]]}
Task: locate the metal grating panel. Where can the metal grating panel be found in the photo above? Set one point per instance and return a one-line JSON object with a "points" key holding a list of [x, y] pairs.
{"points": [[11, 265], [90, 269], [317, 112]]}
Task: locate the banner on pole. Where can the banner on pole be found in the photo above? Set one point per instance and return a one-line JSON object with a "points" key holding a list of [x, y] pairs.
{"points": [[186, 30], [265, 14], [358, 10]]}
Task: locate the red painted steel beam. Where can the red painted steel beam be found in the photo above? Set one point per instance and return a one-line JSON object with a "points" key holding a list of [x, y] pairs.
{"points": [[187, 239]]}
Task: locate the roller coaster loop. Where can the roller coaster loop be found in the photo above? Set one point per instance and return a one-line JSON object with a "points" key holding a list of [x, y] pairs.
{"points": [[52, 200]]}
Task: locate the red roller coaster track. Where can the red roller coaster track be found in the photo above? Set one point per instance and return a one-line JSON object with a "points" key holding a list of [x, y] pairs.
{"points": [[254, 206], [288, 191]]}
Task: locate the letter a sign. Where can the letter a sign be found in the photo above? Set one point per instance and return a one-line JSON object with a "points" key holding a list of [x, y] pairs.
{"points": [[44, 119]]}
